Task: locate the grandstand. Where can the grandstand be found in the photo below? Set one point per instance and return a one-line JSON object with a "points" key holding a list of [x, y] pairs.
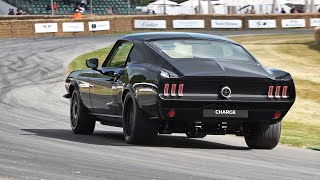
{"points": [[98, 6]]}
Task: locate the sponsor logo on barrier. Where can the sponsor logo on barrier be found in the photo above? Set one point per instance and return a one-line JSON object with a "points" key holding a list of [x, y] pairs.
{"points": [[46, 27], [73, 27], [188, 24], [293, 23], [226, 23], [262, 24], [99, 26], [150, 24], [314, 22]]}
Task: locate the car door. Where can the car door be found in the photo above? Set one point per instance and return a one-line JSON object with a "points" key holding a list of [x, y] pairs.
{"points": [[103, 85]]}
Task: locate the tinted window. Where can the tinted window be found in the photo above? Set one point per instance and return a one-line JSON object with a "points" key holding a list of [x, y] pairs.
{"points": [[199, 49], [120, 56]]}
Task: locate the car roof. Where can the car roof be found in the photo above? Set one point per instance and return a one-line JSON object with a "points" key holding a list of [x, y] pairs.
{"points": [[173, 35]]}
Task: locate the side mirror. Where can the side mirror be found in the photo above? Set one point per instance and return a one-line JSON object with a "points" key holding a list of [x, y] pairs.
{"points": [[92, 63]]}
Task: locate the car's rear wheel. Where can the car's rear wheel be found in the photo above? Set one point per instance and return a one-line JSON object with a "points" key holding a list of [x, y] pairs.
{"points": [[193, 134], [136, 128], [263, 136], [81, 122]]}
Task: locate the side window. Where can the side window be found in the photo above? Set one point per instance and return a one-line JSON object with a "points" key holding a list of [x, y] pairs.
{"points": [[120, 55]]}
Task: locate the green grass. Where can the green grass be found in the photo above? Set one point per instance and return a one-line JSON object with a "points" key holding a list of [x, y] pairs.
{"points": [[80, 62], [300, 134], [297, 54]]}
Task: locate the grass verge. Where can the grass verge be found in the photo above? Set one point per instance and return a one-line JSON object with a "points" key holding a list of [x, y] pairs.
{"points": [[80, 62], [296, 54]]}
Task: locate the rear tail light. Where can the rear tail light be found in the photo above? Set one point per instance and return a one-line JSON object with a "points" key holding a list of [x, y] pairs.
{"points": [[278, 93], [180, 91], [166, 90], [173, 91], [284, 92], [270, 92]]}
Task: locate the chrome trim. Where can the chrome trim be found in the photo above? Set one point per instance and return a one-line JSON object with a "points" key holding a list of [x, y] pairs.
{"points": [[150, 84], [106, 115], [153, 118], [187, 96]]}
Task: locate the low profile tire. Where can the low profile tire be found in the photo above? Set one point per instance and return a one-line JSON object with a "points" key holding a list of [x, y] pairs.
{"points": [[81, 122], [263, 136], [192, 134], [136, 128]]}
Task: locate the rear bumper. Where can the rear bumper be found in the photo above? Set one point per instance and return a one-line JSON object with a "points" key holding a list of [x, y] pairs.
{"points": [[193, 111]]}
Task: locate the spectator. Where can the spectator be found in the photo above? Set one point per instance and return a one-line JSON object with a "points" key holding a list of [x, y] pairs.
{"points": [[84, 4], [82, 8], [77, 14], [283, 11], [55, 6], [19, 12], [48, 8], [293, 10], [78, 7], [11, 12], [252, 11], [109, 10], [301, 10]]}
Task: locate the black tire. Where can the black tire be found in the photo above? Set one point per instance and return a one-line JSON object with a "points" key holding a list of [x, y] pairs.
{"points": [[263, 136], [81, 122], [136, 128], [192, 134]]}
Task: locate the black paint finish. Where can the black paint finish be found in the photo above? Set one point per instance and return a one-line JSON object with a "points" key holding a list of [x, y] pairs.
{"points": [[104, 94]]}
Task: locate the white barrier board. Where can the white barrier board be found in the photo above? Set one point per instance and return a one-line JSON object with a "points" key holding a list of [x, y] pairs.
{"points": [[73, 27], [293, 23], [99, 25], [150, 24], [220, 23], [314, 22], [188, 24], [262, 24], [46, 27]]}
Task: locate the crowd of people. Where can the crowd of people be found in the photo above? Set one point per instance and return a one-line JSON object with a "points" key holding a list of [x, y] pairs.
{"points": [[17, 12]]}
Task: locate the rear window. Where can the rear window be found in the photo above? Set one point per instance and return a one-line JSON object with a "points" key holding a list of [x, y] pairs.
{"points": [[200, 49]]}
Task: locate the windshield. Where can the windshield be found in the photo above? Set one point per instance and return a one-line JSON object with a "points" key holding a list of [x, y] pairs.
{"points": [[201, 49]]}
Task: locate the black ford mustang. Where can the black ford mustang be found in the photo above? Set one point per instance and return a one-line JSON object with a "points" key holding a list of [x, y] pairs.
{"points": [[190, 83]]}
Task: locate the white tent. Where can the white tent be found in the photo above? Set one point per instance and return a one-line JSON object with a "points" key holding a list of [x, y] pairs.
{"points": [[206, 6], [164, 2], [163, 7]]}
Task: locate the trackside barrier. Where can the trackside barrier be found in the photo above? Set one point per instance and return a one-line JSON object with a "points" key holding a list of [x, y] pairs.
{"points": [[37, 26]]}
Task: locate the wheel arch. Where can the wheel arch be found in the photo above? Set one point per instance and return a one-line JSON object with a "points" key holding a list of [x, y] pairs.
{"points": [[73, 86]]}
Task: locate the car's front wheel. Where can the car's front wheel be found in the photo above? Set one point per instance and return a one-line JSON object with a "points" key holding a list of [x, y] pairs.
{"points": [[263, 136], [136, 128], [81, 122]]}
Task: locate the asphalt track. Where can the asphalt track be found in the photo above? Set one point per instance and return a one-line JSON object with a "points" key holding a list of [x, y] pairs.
{"points": [[36, 141]]}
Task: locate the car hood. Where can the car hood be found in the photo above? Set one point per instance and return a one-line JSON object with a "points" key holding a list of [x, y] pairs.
{"points": [[220, 68]]}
